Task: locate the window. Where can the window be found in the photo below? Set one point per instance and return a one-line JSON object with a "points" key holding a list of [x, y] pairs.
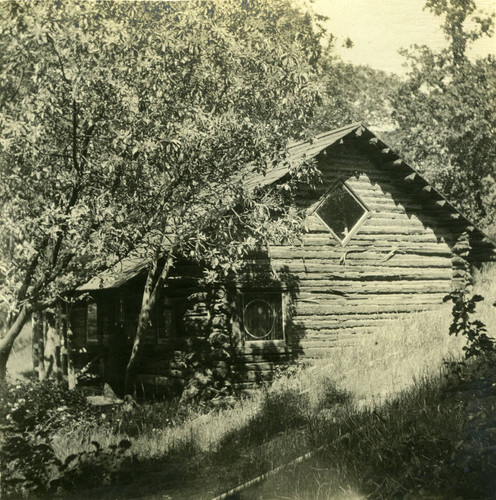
{"points": [[342, 212], [83, 319], [166, 318], [91, 323], [262, 316], [129, 314], [169, 318], [163, 322]]}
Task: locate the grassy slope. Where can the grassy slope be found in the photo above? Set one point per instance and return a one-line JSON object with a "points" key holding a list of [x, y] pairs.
{"points": [[381, 365], [435, 440]]}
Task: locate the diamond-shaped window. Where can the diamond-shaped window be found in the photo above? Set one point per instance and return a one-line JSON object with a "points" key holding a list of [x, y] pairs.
{"points": [[342, 212]]}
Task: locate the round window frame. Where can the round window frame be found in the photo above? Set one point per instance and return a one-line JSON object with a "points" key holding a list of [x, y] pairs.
{"points": [[254, 338]]}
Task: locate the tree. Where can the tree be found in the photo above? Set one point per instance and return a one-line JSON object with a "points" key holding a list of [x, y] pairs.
{"points": [[446, 112], [122, 124], [354, 93]]}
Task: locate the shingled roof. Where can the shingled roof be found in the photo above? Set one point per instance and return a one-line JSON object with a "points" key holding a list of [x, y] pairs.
{"points": [[372, 146]]}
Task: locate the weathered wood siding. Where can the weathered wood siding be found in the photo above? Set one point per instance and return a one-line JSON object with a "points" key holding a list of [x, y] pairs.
{"points": [[403, 258], [399, 261]]}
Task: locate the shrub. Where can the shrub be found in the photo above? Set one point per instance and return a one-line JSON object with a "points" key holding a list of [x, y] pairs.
{"points": [[30, 467], [100, 467], [478, 342], [29, 415], [41, 407]]}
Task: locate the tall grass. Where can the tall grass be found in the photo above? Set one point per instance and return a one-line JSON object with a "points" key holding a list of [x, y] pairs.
{"points": [[384, 377], [406, 448], [485, 285], [380, 365]]}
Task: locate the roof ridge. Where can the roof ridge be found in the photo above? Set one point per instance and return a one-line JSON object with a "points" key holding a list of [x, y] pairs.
{"points": [[334, 131]]}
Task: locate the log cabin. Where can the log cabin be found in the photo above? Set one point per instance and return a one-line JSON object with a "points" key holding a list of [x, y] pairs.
{"points": [[379, 242]]}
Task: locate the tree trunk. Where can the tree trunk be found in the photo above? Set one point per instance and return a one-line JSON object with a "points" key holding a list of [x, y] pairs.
{"points": [[38, 345], [152, 285], [8, 340]]}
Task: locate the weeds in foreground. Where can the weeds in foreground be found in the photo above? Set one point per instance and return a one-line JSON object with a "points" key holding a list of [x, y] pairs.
{"points": [[414, 446], [398, 442], [463, 324], [30, 414]]}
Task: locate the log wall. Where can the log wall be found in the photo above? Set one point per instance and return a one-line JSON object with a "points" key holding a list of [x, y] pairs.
{"points": [[400, 260]]}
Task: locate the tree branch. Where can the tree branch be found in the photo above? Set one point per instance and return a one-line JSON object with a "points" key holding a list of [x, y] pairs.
{"points": [[61, 64]]}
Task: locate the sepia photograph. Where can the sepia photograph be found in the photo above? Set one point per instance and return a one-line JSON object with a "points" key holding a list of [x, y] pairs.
{"points": [[248, 249]]}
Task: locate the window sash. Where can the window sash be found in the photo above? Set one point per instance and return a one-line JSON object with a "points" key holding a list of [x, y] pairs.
{"points": [[356, 226], [254, 327], [92, 323]]}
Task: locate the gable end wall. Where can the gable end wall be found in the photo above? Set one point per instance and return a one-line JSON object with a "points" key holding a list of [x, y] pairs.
{"points": [[399, 261]]}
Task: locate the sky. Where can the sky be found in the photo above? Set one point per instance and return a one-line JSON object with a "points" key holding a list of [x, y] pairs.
{"points": [[379, 28]]}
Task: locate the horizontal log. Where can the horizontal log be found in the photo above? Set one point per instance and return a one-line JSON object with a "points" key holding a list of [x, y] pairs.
{"points": [[314, 309], [373, 303], [352, 285], [344, 257], [318, 269], [389, 239], [324, 240], [318, 353], [336, 330], [350, 292], [371, 296], [264, 348], [335, 324], [362, 184], [302, 321], [335, 271], [357, 252], [322, 322], [386, 224], [350, 289], [332, 341], [318, 262], [378, 231]]}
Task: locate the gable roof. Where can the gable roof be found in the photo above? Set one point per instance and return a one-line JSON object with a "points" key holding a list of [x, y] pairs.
{"points": [[298, 151], [304, 150]]}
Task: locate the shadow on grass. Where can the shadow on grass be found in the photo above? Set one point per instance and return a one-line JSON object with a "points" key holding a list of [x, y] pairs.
{"points": [[280, 431], [432, 441]]}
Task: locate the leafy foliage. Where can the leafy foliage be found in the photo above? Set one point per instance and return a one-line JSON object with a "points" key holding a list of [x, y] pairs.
{"points": [[31, 467], [40, 407], [478, 342], [355, 93], [446, 112], [122, 123], [30, 415]]}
